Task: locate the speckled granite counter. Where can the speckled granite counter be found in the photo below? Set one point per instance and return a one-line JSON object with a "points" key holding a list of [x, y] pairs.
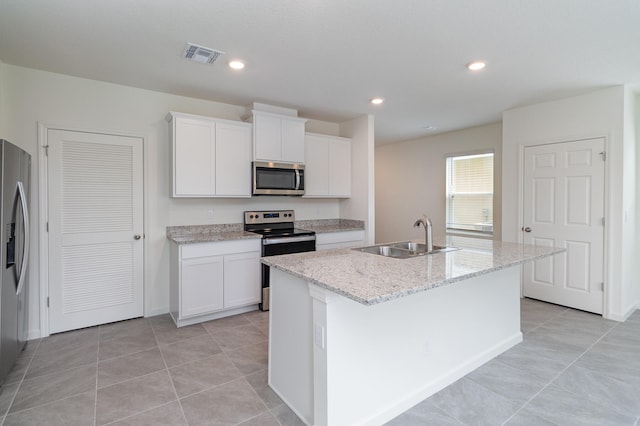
{"points": [[208, 233], [330, 225], [191, 234], [371, 279]]}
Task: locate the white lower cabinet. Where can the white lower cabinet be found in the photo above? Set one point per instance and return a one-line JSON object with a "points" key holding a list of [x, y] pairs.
{"points": [[214, 280], [345, 239], [202, 285], [242, 279]]}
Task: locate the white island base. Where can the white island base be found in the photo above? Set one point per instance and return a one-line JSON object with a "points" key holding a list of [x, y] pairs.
{"points": [[335, 361]]}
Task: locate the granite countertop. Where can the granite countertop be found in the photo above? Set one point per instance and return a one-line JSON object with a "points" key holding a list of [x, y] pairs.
{"points": [[191, 234], [322, 226], [370, 279]]}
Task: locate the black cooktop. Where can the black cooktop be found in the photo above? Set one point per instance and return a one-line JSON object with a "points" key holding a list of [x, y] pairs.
{"points": [[273, 224]]}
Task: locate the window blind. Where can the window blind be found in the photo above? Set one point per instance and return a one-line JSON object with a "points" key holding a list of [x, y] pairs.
{"points": [[470, 193]]}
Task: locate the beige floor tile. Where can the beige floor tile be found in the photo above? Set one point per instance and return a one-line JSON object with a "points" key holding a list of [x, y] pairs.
{"points": [[231, 403], [166, 415], [52, 387], [251, 358], [238, 337], [189, 350], [125, 399], [203, 374], [77, 410], [127, 367]]}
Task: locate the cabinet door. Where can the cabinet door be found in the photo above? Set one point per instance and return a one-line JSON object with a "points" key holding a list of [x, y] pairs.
{"points": [[233, 160], [316, 166], [242, 279], [194, 157], [339, 167], [292, 141], [201, 286], [267, 137]]}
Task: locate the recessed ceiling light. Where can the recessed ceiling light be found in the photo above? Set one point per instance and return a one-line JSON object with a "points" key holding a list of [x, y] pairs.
{"points": [[377, 101], [236, 64], [476, 65], [429, 127]]}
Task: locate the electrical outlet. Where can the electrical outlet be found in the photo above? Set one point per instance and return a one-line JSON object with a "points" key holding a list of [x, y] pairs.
{"points": [[210, 214]]}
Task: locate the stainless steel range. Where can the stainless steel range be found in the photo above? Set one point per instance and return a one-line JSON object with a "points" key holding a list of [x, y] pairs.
{"points": [[279, 236]]}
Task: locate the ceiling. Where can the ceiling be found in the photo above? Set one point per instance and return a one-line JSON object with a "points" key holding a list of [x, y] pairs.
{"points": [[328, 58]]}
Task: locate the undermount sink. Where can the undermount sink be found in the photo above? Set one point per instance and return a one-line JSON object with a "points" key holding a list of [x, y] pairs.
{"points": [[404, 250]]}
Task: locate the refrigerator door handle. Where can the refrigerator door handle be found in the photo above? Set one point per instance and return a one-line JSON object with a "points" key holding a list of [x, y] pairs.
{"points": [[25, 255]]}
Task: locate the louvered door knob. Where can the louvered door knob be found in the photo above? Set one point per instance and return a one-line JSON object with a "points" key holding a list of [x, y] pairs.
{"points": [[137, 237], [527, 229]]}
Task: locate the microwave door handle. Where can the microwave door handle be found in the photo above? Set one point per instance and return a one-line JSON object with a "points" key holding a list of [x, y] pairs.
{"points": [[25, 223], [297, 179]]}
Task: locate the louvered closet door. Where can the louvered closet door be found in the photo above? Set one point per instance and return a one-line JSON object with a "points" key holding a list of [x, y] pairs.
{"points": [[95, 229]]}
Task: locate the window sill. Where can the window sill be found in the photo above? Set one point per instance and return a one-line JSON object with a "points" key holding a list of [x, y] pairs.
{"points": [[472, 234]]}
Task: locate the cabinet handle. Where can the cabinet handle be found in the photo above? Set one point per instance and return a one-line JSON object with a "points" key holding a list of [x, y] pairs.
{"points": [[137, 237], [527, 229]]}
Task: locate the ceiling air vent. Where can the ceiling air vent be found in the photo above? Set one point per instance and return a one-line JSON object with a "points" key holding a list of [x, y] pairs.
{"points": [[201, 54]]}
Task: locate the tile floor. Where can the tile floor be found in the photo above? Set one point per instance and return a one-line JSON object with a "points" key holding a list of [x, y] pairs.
{"points": [[573, 368]]}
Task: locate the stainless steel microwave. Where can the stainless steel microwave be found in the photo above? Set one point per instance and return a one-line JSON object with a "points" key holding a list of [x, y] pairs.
{"points": [[277, 178]]}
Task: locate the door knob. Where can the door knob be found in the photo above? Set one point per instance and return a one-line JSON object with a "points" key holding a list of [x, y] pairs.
{"points": [[527, 229], [137, 237]]}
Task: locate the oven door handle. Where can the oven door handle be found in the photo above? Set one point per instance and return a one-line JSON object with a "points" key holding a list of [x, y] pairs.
{"points": [[285, 240], [297, 179]]}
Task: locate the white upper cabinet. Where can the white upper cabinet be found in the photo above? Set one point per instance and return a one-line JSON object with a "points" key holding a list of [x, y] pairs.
{"points": [[327, 166], [233, 159], [278, 138], [210, 157]]}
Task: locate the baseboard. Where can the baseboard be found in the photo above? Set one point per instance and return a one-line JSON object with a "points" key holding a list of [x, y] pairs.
{"points": [[622, 317], [156, 311]]}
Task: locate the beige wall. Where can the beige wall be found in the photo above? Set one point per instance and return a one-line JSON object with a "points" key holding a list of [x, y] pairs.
{"points": [[604, 113], [29, 97], [411, 180]]}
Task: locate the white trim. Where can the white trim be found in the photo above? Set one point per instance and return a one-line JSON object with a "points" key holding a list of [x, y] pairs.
{"points": [[43, 208], [43, 235]]}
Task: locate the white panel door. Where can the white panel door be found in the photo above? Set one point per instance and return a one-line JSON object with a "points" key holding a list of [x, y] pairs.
{"points": [[95, 204], [564, 207]]}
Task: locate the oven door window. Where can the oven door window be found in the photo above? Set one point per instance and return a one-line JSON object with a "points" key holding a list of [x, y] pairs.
{"points": [[288, 248], [275, 179]]}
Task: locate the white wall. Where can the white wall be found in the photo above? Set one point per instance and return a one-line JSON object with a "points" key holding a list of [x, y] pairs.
{"points": [[29, 97], [361, 205], [603, 113], [411, 180]]}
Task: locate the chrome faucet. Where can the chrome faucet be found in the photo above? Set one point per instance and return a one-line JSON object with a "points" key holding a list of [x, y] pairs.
{"points": [[428, 237]]}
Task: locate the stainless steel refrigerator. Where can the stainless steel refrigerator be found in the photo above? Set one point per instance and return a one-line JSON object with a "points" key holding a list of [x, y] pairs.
{"points": [[15, 167]]}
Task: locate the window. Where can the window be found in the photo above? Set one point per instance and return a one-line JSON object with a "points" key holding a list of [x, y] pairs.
{"points": [[470, 193]]}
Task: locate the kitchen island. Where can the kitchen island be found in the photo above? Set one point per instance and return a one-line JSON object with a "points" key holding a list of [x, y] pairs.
{"points": [[358, 338]]}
